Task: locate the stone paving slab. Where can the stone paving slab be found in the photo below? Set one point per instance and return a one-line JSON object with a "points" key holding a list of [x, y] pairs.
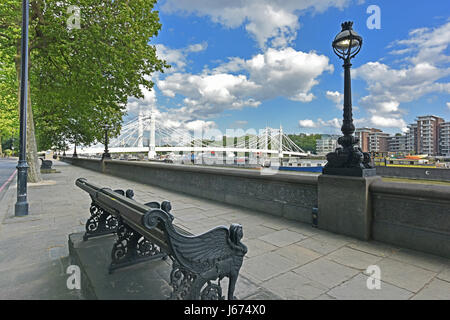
{"points": [[286, 259], [356, 289], [282, 238], [325, 296], [265, 295], [326, 272], [320, 246], [353, 258], [266, 266], [293, 286], [375, 248], [404, 275], [255, 231], [257, 247], [421, 260], [436, 289], [144, 281], [445, 274], [298, 254]]}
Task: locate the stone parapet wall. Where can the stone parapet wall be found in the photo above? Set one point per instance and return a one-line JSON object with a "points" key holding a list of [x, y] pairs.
{"points": [[281, 194], [416, 216], [438, 174]]}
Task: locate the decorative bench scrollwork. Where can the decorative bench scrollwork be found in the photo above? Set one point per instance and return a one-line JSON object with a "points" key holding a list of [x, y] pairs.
{"points": [[197, 260], [146, 232], [101, 221], [46, 164], [131, 247]]}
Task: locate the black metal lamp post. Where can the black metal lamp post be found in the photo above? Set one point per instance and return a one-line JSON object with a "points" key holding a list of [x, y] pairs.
{"points": [[348, 160], [106, 155], [75, 154], [21, 207]]}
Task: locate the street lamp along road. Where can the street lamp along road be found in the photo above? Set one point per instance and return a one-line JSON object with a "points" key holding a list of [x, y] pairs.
{"points": [[348, 160], [21, 206], [106, 155]]}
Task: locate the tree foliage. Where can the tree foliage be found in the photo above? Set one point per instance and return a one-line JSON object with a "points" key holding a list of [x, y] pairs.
{"points": [[305, 141], [8, 95], [81, 78]]}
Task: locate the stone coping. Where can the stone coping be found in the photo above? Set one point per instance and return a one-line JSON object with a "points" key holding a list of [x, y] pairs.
{"points": [[242, 173], [411, 190]]}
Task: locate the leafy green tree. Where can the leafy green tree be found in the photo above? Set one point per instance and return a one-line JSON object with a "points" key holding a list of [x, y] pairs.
{"points": [[81, 78], [8, 97], [305, 141]]}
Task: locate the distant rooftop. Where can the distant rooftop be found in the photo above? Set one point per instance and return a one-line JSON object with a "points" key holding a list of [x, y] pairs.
{"points": [[428, 116]]}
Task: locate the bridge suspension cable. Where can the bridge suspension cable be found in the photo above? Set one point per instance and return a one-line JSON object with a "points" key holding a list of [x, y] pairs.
{"points": [[174, 139]]}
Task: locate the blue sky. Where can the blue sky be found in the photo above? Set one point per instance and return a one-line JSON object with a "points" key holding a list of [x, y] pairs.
{"points": [[253, 63]]}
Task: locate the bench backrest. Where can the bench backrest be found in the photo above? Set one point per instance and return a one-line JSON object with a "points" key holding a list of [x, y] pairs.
{"points": [[125, 208], [218, 251]]}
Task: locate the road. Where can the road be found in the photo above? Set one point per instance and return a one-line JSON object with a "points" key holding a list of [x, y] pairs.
{"points": [[7, 168]]}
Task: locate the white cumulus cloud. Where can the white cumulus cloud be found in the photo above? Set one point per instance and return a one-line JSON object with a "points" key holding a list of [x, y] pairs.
{"points": [[270, 22], [386, 122], [335, 96], [307, 123], [423, 69], [135, 105], [334, 124], [426, 45], [243, 83], [177, 58]]}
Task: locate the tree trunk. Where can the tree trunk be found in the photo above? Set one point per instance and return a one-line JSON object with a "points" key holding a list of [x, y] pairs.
{"points": [[34, 173]]}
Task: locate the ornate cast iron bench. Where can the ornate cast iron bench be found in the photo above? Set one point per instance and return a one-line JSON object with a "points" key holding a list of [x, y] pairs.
{"points": [[146, 232], [46, 164]]}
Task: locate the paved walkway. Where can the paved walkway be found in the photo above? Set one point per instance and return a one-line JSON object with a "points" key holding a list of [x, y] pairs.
{"points": [[286, 259]]}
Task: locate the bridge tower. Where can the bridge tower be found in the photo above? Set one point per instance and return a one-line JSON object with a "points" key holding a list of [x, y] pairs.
{"points": [[280, 147], [140, 141], [266, 142], [152, 144]]}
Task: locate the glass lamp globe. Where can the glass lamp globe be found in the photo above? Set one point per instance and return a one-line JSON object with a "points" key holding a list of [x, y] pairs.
{"points": [[348, 42]]}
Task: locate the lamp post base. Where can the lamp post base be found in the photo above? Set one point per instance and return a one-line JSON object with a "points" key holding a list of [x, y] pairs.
{"points": [[21, 209], [351, 172], [106, 156], [349, 160]]}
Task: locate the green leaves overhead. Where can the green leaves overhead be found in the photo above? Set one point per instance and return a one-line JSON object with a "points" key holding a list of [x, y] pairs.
{"points": [[9, 34], [82, 78], [9, 115]]}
